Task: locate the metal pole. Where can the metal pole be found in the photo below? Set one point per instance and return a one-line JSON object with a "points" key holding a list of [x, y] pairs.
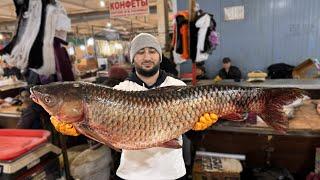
{"points": [[191, 16], [94, 42], [65, 156]]}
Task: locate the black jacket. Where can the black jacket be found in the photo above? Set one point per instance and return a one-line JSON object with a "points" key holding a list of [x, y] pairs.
{"points": [[234, 73], [280, 71]]}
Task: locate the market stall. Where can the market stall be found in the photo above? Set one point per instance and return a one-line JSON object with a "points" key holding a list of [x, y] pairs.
{"points": [[225, 89]]}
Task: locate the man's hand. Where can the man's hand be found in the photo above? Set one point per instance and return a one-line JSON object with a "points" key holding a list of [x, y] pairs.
{"points": [[205, 121], [64, 128]]}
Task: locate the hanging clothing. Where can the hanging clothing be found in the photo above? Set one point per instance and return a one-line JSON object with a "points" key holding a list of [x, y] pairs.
{"points": [[211, 40], [176, 57], [62, 61], [30, 24], [203, 37], [180, 37], [194, 37], [48, 62], [21, 8], [214, 39], [202, 23], [35, 60], [56, 19]]}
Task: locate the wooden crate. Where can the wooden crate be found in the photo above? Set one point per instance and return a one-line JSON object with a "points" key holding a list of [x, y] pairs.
{"points": [[212, 168]]}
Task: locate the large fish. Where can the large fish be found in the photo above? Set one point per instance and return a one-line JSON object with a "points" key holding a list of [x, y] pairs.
{"points": [[144, 119]]}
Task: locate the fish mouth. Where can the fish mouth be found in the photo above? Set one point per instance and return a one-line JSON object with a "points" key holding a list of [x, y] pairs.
{"points": [[33, 96]]}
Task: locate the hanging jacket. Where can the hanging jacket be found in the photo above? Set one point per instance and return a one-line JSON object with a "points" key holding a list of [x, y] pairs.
{"points": [[28, 29], [62, 61], [181, 34], [36, 54], [56, 19], [210, 39], [194, 36], [208, 45], [202, 23], [181, 21]]}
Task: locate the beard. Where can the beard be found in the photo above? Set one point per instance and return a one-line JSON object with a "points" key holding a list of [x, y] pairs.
{"points": [[149, 72]]}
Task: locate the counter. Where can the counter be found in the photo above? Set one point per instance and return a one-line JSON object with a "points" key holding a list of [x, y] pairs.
{"points": [[271, 83], [306, 123], [12, 90], [312, 86]]}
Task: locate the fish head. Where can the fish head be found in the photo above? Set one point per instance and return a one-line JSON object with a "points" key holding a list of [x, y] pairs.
{"points": [[62, 100]]}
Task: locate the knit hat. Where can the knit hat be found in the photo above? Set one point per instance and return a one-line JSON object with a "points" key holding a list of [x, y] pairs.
{"points": [[144, 40]]}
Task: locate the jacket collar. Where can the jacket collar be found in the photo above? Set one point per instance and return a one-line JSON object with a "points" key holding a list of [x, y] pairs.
{"points": [[134, 78]]}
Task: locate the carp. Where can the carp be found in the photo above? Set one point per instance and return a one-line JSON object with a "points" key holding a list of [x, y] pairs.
{"points": [[154, 118]]}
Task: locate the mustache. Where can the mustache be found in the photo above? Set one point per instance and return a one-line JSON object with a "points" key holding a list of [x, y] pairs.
{"points": [[147, 61]]}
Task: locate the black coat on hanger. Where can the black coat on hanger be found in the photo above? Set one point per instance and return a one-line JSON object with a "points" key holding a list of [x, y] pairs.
{"points": [[36, 54]]}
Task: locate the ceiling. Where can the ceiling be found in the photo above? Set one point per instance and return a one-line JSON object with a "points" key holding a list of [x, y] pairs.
{"points": [[88, 16]]}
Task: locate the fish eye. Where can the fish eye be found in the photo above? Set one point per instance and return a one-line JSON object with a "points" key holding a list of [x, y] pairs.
{"points": [[47, 99]]}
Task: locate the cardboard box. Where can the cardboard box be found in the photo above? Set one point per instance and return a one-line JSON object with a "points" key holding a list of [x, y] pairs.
{"points": [[308, 69]]}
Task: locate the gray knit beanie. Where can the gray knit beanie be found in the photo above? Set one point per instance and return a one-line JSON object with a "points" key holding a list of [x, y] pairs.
{"points": [[144, 40]]}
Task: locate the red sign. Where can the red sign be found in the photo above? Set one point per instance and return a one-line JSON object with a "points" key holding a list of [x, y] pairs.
{"points": [[128, 7]]}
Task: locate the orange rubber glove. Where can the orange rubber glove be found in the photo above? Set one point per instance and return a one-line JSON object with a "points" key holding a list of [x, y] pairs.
{"points": [[64, 128], [205, 121]]}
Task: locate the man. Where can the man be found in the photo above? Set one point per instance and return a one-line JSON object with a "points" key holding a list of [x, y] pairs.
{"points": [[201, 71], [157, 162], [228, 71]]}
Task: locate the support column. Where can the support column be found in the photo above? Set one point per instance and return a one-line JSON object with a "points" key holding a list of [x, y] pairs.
{"points": [[163, 23]]}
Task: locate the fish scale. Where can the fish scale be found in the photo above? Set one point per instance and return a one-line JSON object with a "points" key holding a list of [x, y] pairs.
{"points": [[144, 119]]}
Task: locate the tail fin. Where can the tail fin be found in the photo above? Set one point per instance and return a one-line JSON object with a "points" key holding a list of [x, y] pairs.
{"points": [[276, 98]]}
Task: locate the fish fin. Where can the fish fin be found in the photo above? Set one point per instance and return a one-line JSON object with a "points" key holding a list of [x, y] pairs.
{"points": [[87, 131], [174, 144], [273, 113], [233, 117]]}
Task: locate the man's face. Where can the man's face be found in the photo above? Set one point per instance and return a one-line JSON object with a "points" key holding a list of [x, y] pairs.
{"points": [[318, 107], [226, 65], [199, 72], [147, 61]]}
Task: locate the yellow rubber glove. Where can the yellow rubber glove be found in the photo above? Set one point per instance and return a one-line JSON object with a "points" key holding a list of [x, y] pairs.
{"points": [[217, 79], [205, 121], [64, 128]]}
